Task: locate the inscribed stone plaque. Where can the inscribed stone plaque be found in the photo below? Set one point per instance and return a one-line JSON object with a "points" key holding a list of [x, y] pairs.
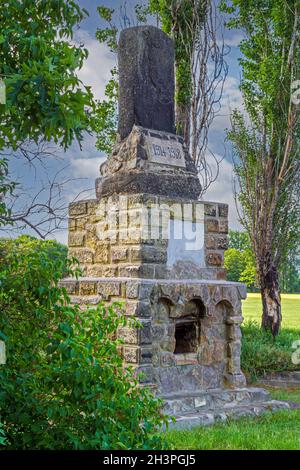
{"points": [[165, 151]]}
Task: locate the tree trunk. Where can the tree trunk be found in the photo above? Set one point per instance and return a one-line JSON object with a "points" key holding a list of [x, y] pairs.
{"points": [[271, 301]]}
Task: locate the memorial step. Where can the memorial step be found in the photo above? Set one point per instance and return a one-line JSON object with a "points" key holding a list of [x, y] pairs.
{"points": [[222, 414], [213, 399]]}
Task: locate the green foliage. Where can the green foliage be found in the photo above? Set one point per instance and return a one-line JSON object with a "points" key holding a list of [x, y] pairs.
{"points": [[107, 35], [239, 240], [290, 273], [239, 260], [64, 385], [2, 435], [105, 121], [261, 353], [105, 118], [268, 169], [39, 66], [6, 187]]}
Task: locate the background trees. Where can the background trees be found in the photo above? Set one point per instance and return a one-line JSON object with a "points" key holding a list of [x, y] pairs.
{"points": [[239, 260], [45, 100], [266, 142], [241, 267]]}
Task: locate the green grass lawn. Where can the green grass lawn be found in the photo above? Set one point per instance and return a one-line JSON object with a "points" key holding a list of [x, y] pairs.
{"points": [[290, 309], [280, 430]]}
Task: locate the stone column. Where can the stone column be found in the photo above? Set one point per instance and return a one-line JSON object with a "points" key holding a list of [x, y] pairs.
{"points": [[234, 376], [146, 87]]}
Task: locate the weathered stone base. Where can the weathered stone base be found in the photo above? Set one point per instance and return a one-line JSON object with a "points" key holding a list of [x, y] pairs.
{"points": [[161, 184], [209, 310], [214, 406]]}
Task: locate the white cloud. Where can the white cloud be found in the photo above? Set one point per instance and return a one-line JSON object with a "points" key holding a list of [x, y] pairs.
{"points": [[222, 190], [232, 99], [234, 39], [96, 69], [86, 167]]}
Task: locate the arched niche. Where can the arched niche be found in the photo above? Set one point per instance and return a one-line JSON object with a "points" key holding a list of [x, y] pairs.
{"points": [[188, 327]]}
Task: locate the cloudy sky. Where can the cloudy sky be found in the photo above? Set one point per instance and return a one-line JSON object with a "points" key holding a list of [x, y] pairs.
{"points": [[81, 167]]}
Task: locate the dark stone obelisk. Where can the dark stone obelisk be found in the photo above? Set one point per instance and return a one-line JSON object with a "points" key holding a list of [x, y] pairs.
{"points": [[146, 87], [148, 156]]}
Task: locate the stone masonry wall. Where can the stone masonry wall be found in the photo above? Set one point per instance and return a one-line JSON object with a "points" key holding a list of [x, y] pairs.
{"points": [[157, 305], [123, 251]]}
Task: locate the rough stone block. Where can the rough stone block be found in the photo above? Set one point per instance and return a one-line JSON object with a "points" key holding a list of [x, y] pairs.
{"points": [[212, 225], [137, 271], [210, 210], [145, 355], [214, 259], [210, 242], [223, 224], [119, 253], [145, 374], [223, 210], [71, 287], [167, 360], [222, 243], [132, 289], [77, 208], [84, 255], [72, 225], [131, 355], [101, 254], [87, 288], [129, 335], [76, 238], [148, 254], [146, 333], [109, 289], [81, 222]]}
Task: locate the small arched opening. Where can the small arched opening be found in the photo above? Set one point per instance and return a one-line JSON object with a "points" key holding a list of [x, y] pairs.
{"points": [[188, 328]]}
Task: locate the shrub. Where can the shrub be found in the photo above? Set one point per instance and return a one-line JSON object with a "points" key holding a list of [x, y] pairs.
{"points": [[262, 353], [64, 385], [2, 435]]}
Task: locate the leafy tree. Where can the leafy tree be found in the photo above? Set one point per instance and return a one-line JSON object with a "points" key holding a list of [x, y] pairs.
{"points": [[39, 64], [239, 240], [266, 144], [105, 122], [64, 385], [234, 263], [45, 100], [2, 435], [6, 187], [239, 259], [290, 274]]}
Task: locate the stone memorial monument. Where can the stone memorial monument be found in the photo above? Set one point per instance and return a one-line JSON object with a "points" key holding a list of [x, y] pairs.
{"points": [[148, 241]]}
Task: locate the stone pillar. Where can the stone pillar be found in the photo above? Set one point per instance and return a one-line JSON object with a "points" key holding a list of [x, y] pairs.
{"points": [[234, 376], [146, 87]]}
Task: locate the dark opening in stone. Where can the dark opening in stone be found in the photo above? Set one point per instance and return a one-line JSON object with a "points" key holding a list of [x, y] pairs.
{"points": [[186, 336]]}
